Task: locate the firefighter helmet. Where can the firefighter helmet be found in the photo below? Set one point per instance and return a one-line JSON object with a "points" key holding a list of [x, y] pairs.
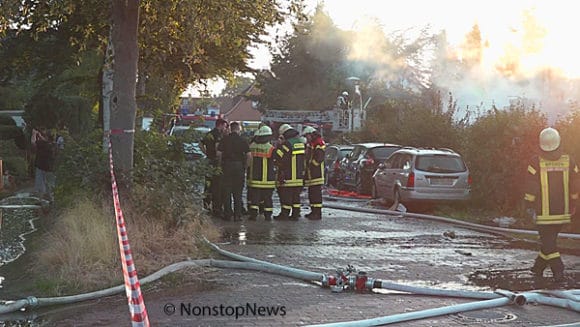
{"points": [[284, 128], [549, 139], [308, 130], [264, 131]]}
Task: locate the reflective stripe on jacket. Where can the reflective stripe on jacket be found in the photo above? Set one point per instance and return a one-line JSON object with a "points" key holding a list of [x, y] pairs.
{"points": [[262, 173], [289, 159], [552, 189], [315, 163]]}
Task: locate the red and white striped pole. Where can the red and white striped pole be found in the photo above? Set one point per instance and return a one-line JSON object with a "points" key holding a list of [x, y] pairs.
{"points": [[137, 308]]}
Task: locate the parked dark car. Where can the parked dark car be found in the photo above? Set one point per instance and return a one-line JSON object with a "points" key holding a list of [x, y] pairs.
{"points": [[332, 157], [360, 164]]}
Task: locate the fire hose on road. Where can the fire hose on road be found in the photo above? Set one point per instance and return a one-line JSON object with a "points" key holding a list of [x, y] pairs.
{"points": [[468, 225], [341, 281]]}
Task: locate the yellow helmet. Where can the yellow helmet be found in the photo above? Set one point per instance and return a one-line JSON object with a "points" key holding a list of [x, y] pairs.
{"points": [[264, 131], [308, 130], [549, 139], [284, 128]]}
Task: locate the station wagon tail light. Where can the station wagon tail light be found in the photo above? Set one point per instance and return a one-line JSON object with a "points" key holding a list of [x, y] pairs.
{"points": [[469, 180], [411, 180], [369, 162]]}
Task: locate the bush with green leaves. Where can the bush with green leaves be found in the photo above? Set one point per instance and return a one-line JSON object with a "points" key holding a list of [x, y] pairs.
{"points": [[165, 185], [82, 169], [13, 159]]}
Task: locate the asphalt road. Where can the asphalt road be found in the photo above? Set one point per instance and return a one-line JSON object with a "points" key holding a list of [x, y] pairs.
{"points": [[402, 250]]}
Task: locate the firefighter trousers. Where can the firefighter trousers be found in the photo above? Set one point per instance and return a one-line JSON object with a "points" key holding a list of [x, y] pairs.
{"points": [[549, 255], [315, 199], [260, 199], [290, 201]]}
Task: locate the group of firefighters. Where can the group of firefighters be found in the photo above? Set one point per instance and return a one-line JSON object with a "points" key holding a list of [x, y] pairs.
{"points": [[294, 161]]}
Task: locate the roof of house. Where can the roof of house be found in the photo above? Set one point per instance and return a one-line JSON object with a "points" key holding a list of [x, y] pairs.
{"points": [[243, 110]]}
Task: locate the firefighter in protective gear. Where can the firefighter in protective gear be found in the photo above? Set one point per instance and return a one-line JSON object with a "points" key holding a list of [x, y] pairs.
{"points": [[314, 174], [551, 195], [289, 161], [261, 174]]}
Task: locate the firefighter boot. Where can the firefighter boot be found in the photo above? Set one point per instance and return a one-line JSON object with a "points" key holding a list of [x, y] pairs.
{"points": [[539, 266], [316, 214], [295, 213], [267, 215], [557, 267], [284, 214]]}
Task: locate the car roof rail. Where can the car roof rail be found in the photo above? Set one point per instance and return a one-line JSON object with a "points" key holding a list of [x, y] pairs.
{"points": [[447, 149]]}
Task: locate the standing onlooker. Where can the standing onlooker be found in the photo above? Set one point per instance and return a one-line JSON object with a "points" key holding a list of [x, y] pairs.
{"points": [[235, 157], [261, 175], [289, 160], [213, 189], [551, 197], [314, 177], [44, 163]]}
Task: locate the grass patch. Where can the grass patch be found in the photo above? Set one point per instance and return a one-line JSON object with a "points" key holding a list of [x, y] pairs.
{"points": [[81, 251]]}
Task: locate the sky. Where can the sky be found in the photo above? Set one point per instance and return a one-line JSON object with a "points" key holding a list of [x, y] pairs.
{"points": [[535, 35]]}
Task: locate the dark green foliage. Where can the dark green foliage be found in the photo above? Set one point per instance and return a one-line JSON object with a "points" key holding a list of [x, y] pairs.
{"points": [[164, 184], [497, 149], [9, 131], [82, 169], [13, 158]]}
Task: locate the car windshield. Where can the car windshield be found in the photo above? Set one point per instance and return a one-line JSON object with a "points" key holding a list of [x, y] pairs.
{"points": [[440, 164], [344, 152], [383, 153]]}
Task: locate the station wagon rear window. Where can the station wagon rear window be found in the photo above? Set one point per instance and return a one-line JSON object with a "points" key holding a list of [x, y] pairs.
{"points": [[440, 164]]}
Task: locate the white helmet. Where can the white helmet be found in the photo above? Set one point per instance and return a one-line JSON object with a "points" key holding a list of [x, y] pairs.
{"points": [[264, 131], [549, 139], [284, 128], [345, 94], [308, 130]]}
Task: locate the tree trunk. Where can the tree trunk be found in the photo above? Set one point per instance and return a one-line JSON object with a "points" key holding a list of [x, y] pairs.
{"points": [[107, 83], [123, 102]]}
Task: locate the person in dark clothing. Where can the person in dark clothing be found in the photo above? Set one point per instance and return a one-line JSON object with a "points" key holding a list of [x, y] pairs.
{"points": [[213, 190], [234, 153], [44, 163], [551, 195], [261, 175], [289, 161], [314, 175]]}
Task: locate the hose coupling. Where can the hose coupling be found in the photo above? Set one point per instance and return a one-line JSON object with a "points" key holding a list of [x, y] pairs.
{"points": [[32, 301]]}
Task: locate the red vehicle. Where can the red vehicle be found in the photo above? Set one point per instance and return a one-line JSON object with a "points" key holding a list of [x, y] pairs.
{"points": [[170, 120]]}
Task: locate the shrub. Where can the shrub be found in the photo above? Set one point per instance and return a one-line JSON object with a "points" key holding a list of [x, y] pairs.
{"points": [[497, 148]]}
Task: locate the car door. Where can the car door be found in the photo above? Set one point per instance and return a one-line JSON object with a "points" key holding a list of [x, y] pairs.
{"points": [[350, 164], [386, 176], [401, 173]]}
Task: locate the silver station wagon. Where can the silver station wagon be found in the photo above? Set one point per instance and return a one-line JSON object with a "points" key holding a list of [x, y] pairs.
{"points": [[422, 175]]}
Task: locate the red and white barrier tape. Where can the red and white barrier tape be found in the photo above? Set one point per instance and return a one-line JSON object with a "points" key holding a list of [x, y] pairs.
{"points": [[137, 308]]}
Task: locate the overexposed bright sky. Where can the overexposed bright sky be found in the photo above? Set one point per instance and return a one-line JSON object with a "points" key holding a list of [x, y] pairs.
{"points": [[501, 24], [535, 34]]}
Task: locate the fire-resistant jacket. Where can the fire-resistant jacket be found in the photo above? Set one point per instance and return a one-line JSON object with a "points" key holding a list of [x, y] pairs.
{"points": [[262, 174], [289, 159], [315, 162], [551, 189]]}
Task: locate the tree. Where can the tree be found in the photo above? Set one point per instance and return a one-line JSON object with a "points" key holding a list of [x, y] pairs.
{"points": [[123, 99], [236, 85], [180, 41], [309, 69]]}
